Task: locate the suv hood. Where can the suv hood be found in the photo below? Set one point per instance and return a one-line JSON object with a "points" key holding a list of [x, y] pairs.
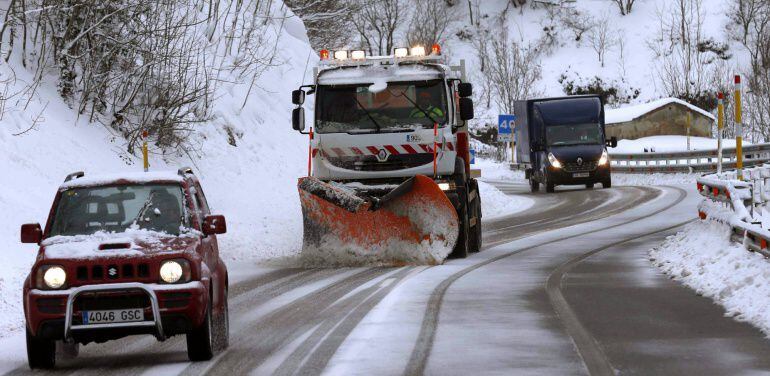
{"points": [[132, 243]]}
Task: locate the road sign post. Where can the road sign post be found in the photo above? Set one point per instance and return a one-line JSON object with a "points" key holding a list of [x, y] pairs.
{"points": [[738, 128], [720, 125], [505, 125]]}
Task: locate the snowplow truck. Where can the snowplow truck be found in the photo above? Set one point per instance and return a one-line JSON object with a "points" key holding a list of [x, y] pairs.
{"points": [[389, 178]]}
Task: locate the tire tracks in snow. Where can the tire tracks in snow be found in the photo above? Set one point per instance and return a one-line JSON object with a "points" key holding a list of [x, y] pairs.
{"points": [[424, 345]]}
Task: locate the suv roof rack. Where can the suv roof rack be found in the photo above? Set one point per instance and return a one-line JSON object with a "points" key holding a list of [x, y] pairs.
{"points": [[184, 171], [74, 175]]}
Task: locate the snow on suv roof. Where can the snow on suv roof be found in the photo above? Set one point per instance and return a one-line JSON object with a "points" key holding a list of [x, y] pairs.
{"points": [[132, 177]]}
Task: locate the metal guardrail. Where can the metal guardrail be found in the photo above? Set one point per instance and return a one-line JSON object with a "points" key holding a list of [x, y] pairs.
{"points": [[688, 161], [742, 198]]}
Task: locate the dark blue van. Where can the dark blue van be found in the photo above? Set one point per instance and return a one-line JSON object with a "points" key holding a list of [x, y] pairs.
{"points": [[561, 141]]}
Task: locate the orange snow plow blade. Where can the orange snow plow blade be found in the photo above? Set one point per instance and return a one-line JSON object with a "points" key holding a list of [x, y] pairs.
{"points": [[413, 223]]}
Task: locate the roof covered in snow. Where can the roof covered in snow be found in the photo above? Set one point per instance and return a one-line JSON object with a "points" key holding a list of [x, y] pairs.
{"points": [[131, 177], [376, 73], [624, 114]]}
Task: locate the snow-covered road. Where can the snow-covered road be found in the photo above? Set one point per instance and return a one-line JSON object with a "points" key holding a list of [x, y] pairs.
{"points": [[564, 287]]}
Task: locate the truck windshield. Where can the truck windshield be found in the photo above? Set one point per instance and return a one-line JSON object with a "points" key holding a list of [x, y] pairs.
{"points": [[85, 211], [355, 109], [574, 134]]}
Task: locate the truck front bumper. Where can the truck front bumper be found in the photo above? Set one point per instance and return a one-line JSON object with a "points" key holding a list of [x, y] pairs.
{"points": [[558, 176], [168, 310]]}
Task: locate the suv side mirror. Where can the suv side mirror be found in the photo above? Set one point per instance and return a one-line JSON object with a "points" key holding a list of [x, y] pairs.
{"points": [[31, 233], [214, 224], [612, 142], [466, 109], [298, 119], [464, 89], [298, 97]]}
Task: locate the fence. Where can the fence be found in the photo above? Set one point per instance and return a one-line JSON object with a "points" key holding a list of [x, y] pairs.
{"points": [[740, 204]]}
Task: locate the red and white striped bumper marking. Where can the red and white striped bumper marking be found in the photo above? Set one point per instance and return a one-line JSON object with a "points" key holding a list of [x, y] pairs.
{"points": [[374, 150]]}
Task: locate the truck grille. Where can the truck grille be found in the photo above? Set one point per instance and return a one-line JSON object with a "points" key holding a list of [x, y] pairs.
{"points": [[113, 272], [585, 167], [370, 163]]}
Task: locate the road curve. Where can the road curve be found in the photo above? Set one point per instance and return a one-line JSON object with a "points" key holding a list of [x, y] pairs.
{"points": [[526, 304]]}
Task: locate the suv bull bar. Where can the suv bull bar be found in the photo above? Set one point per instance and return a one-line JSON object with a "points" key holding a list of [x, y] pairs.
{"points": [[68, 327]]}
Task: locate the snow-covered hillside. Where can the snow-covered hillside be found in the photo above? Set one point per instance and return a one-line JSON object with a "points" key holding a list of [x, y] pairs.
{"points": [[253, 183]]}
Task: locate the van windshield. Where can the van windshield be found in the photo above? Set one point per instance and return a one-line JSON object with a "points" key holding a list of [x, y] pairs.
{"points": [[574, 134], [356, 109], [87, 210]]}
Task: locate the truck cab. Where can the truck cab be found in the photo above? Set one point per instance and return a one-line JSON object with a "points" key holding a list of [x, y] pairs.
{"points": [[385, 119], [561, 141]]}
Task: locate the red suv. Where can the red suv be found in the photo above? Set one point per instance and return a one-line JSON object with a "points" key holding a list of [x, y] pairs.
{"points": [[123, 255]]}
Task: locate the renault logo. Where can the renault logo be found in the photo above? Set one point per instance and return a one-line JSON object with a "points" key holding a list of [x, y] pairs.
{"points": [[382, 155], [580, 161]]}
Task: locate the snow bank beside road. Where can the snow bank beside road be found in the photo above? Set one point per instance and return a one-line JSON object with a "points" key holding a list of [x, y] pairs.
{"points": [[703, 258], [661, 144], [495, 203]]}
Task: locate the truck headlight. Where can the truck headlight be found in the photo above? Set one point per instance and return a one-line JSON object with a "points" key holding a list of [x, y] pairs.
{"points": [[554, 162], [604, 158], [444, 186], [54, 277], [173, 271]]}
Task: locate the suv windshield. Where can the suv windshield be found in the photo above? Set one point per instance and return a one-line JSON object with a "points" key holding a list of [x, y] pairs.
{"points": [[84, 211], [574, 134], [353, 108]]}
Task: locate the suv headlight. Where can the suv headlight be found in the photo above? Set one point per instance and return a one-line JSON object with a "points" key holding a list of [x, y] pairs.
{"points": [[554, 162], [604, 158], [51, 277], [175, 271]]}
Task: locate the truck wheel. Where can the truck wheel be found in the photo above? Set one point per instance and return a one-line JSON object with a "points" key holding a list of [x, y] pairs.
{"points": [[534, 186], [200, 344], [461, 248], [607, 183], [41, 353], [475, 238], [222, 327]]}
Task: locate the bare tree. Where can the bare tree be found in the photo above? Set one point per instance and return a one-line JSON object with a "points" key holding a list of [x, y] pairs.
{"points": [[625, 6], [602, 38], [318, 15], [376, 23], [430, 20]]}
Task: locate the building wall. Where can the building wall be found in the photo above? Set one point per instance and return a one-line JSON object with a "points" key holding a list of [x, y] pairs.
{"points": [[670, 119]]}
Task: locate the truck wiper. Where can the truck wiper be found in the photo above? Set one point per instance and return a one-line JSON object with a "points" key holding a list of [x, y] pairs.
{"points": [[368, 114]]}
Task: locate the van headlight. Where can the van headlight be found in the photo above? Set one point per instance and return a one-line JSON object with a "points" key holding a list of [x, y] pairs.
{"points": [[604, 158], [175, 271], [554, 162]]}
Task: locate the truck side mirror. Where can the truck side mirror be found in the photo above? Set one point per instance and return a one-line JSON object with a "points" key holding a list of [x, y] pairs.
{"points": [[31, 233], [298, 119], [466, 109], [298, 97], [465, 89], [612, 142]]}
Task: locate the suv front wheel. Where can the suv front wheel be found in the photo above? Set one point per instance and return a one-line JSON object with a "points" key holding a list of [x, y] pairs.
{"points": [[41, 353], [200, 344]]}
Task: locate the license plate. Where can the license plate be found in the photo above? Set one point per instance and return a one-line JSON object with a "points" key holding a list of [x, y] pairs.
{"points": [[112, 316], [580, 175]]}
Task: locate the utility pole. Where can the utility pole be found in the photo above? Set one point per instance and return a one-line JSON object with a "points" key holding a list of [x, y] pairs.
{"points": [[720, 125], [689, 123], [738, 128]]}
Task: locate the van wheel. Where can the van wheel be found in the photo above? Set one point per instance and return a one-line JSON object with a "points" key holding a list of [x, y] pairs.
{"points": [[200, 344], [41, 353], [534, 186], [607, 183]]}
